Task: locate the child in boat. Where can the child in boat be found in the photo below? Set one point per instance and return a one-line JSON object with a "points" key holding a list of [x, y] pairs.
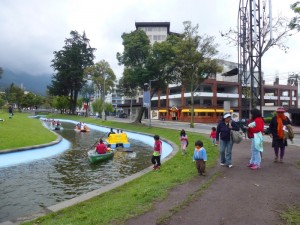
{"points": [[200, 157], [157, 152], [101, 147]]}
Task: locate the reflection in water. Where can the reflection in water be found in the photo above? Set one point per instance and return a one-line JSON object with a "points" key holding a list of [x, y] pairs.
{"points": [[26, 188]]}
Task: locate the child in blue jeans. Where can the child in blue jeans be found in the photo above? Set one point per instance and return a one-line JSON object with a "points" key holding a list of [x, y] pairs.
{"points": [[200, 157]]}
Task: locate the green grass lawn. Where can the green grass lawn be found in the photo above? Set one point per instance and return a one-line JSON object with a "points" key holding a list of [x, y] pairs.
{"points": [[21, 131], [139, 195]]}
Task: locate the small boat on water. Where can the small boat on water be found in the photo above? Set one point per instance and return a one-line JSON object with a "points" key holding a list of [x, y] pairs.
{"points": [[118, 140], [57, 127], [83, 128], [95, 157]]}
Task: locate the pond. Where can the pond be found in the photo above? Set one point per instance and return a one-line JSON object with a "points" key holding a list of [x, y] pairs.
{"points": [[27, 188]]}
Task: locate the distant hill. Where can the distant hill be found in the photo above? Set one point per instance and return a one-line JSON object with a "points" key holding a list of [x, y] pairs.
{"points": [[35, 84]]}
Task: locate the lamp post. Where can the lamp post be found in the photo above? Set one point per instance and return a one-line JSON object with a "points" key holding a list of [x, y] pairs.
{"points": [[103, 112]]}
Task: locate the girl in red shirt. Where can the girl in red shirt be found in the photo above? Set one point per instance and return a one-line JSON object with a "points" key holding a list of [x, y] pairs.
{"points": [[213, 135], [156, 153]]}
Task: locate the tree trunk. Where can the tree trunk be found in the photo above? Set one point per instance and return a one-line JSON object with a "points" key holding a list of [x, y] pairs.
{"points": [[192, 109], [140, 115]]}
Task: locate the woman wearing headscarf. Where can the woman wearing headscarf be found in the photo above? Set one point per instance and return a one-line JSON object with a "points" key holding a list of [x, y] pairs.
{"points": [[277, 127]]}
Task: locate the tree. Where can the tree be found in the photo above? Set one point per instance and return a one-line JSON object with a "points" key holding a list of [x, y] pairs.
{"points": [[134, 58], [98, 106], [295, 22], [14, 94], [145, 63], [61, 103], [102, 76], [69, 64], [195, 60], [127, 88], [87, 92], [280, 32]]}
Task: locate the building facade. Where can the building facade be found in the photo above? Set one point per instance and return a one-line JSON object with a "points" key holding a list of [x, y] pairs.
{"points": [[214, 96]]}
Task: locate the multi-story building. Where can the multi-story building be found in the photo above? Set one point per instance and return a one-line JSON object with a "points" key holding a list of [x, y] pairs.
{"points": [[174, 103]]}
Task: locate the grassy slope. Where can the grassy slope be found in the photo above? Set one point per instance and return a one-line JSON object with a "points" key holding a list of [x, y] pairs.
{"points": [[138, 196], [21, 131]]}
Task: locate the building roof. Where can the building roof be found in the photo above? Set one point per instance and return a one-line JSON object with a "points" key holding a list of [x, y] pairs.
{"points": [[153, 24]]}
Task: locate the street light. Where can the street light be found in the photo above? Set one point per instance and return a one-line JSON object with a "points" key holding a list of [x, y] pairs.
{"points": [[103, 112]]}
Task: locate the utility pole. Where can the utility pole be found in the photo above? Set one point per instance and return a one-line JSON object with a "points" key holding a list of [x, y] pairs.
{"points": [[250, 24]]}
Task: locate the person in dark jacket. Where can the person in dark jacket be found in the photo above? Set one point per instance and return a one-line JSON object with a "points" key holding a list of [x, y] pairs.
{"points": [[223, 134], [276, 127], [10, 111]]}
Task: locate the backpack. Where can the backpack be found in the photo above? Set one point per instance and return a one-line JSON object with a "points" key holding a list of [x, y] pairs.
{"points": [[288, 133], [236, 136]]}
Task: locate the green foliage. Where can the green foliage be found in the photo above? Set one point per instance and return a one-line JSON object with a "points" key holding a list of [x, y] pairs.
{"points": [[61, 103], [102, 76], [291, 216], [109, 107], [31, 100], [98, 106], [14, 94], [2, 101], [295, 22], [195, 60], [69, 64]]}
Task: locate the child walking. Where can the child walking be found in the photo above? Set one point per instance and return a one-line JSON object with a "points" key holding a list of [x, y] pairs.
{"points": [[183, 141], [200, 157], [157, 152], [213, 135]]}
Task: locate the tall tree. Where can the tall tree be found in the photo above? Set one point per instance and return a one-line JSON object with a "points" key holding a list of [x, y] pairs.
{"points": [[195, 60], [69, 64], [87, 92], [280, 30], [102, 76], [61, 103], [134, 58], [14, 95], [295, 22], [147, 64]]}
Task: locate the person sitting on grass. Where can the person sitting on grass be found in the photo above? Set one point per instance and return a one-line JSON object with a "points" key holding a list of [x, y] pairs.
{"points": [[101, 147]]}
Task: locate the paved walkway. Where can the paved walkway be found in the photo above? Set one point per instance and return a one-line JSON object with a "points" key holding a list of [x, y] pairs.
{"points": [[237, 196]]}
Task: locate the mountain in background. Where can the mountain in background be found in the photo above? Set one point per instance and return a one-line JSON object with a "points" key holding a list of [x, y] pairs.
{"points": [[36, 84]]}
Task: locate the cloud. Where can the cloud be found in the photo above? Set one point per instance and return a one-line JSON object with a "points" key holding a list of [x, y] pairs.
{"points": [[32, 30]]}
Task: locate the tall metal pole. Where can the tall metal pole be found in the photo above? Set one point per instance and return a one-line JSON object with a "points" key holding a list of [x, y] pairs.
{"points": [[149, 113], [103, 112]]}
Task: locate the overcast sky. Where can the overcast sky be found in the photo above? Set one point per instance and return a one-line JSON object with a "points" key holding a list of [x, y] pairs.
{"points": [[32, 30]]}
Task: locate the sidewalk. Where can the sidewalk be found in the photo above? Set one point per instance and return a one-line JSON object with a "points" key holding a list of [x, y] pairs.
{"points": [[237, 196]]}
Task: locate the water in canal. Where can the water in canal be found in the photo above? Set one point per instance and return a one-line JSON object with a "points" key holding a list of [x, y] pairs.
{"points": [[27, 188]]}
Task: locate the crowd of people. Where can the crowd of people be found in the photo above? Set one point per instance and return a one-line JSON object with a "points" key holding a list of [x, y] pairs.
{"points": [[221, 136], [280, 128]]}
